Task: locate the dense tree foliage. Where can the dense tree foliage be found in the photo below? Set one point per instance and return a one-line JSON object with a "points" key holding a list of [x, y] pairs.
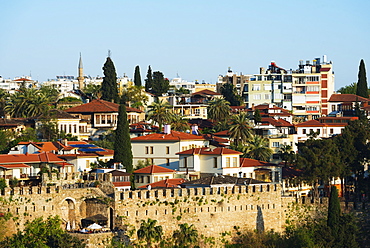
{"points": [[334, 211], [135, 96], [231, 95], [40, 233], [122, 143], [348, 89], [93, 91], [257, 147], [218, 110], [179, 123], [149, 232], [149, 80], [109, 86], [159, 112], [362, 88], [185, 236], [160, 84], [137, 76], [240, 130]]}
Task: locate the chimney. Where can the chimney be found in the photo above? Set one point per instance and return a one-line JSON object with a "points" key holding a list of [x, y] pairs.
{"points": [[167, 129]]}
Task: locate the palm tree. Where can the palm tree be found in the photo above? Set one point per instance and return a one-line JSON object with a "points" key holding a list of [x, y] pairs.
{"points": [[187, 235], [286, 154], [240, 129], [218, 109], [257, 148], [93, 91], [178, 123], [3, 97], [149, 232], [159, 112]]}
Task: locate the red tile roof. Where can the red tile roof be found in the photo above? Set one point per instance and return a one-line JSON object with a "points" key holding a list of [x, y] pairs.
{"points": [[222, 133], [347, 98], [206, 92], [310, 123], [14, 166], [152, 169], [99, 106], [248, 162], [167, 183], [45, 157], [276, 123], [173, 136], [325, 69], [21, 80], [209, 151], [121, 184]]}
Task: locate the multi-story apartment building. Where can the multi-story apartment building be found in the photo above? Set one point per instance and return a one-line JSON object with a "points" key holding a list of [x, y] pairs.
{"points": [[304, 91], [11, 86]]}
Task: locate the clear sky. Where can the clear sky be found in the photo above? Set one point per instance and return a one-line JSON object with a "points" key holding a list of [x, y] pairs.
{"points": [[197, 39]]}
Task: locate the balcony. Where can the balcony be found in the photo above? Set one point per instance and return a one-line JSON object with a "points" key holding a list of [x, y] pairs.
{"points": [[299, 92]]}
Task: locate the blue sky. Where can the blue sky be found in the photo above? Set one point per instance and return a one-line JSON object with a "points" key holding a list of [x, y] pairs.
{"points": [[196, 39]]}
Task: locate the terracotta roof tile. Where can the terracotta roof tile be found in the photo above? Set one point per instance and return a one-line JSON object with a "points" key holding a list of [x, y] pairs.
{"points": [[206, 92], [173, 136], [14, 166], [248, 162], [45, 157], [347, 98], [152, 169], [209, 151], [122, 184], [167, 183], [310, 123], [99, 106]]}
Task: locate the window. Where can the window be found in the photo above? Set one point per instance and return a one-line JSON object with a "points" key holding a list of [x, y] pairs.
{"points": [[257, 96], [167, 161], [151, 160], [331, 130], [186, 162], [147, 150], [267, 86], [313, 88], [256, 87], [97, 119], [151, 149], [267, 96], [148, 179], [278, 96], [235, 162], [303, 131], [227, 162], [214, 162], [141, 179], [277, 176], [87, 163], [197, 111], [318, 131], [167, 150], [275, 144]]}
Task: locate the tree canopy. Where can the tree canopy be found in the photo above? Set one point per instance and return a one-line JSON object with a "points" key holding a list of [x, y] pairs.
{"points": [[149, 80], [137, 77], [230, 94], [362, 88], [160, 84], [109, 86]]}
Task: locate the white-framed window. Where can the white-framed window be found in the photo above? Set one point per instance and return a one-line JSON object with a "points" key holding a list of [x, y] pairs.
{"points": [[267, 86], [256, 87], [227, 162], [197, 111], [275, 144], [267, 96], [257, 96], [313, 88], [278, 96], [235, 161]]}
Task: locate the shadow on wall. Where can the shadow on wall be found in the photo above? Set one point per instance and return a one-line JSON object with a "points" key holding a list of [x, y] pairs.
{"points": [[260, 224]]}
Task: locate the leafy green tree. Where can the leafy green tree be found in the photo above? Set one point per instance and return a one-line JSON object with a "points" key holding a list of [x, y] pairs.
{"points": [[257, 116], [149, 232], [122, 143], [149, 80], [182, 91], [179, 123], [230, 94], [334, 211], [240, 130], [137, 77], [93, 91], [362, 88], [49, 92], [3, 98], [48, 130], [3, 184], [320, 162], [348, 89], [69, 99], [40, 233], [286, 154], [159, 112], [185, 236], [160, 84], [257, 148], [109, 86], [135, 96], [218, 109]]}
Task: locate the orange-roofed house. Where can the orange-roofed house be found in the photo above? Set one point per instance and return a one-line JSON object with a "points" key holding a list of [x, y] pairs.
{"points": [[166, 183], [325, 127], [205, 161], [260, 170], [152, 174], [161, 148], [344, 104]]}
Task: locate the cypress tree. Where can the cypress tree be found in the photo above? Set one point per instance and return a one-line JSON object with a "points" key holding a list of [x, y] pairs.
{"points": [[137, 77], [149, 80], [109, 86], [362, 89], [122, 143], [160, 84], [334, 211]]}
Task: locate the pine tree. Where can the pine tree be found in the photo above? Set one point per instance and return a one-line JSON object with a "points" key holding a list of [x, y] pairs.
{"points": [[122, 143], [334, 211], [149, 80], [137, 77], [257, 116], [160, 84], [362, 89], [109, 86]]}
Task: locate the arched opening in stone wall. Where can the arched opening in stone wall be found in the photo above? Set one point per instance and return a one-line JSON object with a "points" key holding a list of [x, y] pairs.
{"points": [[111, 218], [68, 214], [95, 210]]}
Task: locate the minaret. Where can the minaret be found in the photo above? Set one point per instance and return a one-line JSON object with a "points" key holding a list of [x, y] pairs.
{"points": [[80, 77]]}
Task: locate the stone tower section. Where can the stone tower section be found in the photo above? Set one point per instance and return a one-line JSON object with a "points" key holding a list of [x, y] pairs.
{"points": [[80, 77]]}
